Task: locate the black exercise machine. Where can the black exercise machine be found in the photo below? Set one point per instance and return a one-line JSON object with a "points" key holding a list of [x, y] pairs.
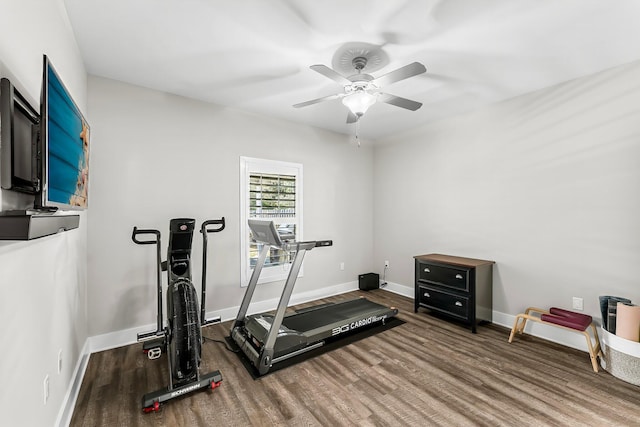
{"points": [[267, 339], [181, 338]]}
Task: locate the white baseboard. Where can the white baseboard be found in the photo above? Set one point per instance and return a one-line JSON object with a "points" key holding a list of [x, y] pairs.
{"points": [[396, 288], [69, 402], [128, 336]]}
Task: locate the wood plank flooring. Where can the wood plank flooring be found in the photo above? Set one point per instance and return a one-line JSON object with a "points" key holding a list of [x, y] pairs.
{"points": [[426, 372]]}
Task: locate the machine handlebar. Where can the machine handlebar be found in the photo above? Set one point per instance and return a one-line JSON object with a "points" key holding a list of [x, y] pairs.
{"points": [[220, 222], [137, 232], [296, 246]]}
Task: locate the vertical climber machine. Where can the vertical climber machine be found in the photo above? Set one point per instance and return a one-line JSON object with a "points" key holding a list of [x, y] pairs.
{"points": [[181, 336]]}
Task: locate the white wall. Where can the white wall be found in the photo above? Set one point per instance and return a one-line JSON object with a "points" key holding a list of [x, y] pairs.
{"points": [[545, 184], [43, 282], [157, 156]]}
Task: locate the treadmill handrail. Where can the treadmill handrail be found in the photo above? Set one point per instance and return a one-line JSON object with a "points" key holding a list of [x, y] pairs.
{"points": [[248, 294], [283, 303], [296, 246]]}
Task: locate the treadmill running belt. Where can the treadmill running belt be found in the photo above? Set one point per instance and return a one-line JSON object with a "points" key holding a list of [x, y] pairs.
{"points": [[347, 339], [313, 319]]}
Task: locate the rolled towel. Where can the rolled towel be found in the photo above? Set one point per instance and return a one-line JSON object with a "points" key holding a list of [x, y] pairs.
{"points": [[628, 321]]}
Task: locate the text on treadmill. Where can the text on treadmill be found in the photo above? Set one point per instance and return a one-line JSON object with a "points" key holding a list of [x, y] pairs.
{"points": [[357, 324]]}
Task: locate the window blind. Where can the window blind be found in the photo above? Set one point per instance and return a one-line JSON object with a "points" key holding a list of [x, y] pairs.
{"points": [[272, 196]]}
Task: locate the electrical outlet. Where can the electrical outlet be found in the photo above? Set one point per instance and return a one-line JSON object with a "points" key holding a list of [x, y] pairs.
{"points": [[46, 388], [386, 264], [342, 266], [60, 361], [578, 303]]}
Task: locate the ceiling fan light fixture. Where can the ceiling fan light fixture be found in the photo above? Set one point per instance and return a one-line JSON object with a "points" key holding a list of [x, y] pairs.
{"points": [[359, 102]]}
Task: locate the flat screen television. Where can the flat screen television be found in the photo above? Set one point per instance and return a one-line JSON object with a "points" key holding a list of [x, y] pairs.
{"points": [[19, 123], [65, 144]]}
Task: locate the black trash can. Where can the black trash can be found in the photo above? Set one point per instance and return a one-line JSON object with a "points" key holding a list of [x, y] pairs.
{"points": [[368, 281]]}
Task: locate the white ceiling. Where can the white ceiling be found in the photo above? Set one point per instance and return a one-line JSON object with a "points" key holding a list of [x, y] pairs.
{"points": [[255, 54]]}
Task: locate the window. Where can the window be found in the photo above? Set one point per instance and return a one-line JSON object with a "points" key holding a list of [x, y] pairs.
{"points": [[270, 190]]}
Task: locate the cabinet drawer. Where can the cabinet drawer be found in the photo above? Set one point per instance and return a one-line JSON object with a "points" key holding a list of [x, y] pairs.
{"points": [[456, 278], [455, 305]]}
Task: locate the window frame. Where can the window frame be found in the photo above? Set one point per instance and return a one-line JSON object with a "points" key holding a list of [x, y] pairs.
{"points": [[249, 165]]}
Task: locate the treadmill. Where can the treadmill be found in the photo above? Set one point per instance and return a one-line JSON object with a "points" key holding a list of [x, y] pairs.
{"points": [[267, 339]]}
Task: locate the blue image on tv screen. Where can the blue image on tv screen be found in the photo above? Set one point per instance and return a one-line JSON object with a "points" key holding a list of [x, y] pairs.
{"points": [[67, 146]]}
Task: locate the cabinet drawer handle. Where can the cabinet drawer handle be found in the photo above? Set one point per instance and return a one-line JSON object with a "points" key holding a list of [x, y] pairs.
{"points": [[458, 276], [426, 270], [426, 294], [458, 303]]}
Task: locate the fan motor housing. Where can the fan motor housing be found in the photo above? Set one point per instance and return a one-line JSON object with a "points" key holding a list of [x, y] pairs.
{"points": [[343, 60]]}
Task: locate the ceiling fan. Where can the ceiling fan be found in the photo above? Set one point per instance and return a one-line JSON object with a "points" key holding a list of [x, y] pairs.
{"points": [[362, 90]]}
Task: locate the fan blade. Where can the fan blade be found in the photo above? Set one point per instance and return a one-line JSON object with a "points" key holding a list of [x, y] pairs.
{"points": [[333, 75], [401, 73], [399, 101], [351, 118], [315, 101]]}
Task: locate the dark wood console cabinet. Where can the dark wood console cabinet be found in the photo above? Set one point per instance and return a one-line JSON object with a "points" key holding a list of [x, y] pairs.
{"points": [[461, 288]]}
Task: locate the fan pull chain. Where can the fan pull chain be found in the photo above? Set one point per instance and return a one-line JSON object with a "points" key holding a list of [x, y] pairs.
{"points": [[358, 131]]}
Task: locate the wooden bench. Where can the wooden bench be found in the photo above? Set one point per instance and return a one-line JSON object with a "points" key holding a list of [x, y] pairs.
{"points": [[564, 319]]}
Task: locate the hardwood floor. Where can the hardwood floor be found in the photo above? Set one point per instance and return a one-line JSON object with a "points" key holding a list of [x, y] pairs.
{"points": [[425, 372]]}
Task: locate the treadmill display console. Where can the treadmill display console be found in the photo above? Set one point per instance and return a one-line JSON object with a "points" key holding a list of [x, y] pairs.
{"points": [[265, 232]]}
